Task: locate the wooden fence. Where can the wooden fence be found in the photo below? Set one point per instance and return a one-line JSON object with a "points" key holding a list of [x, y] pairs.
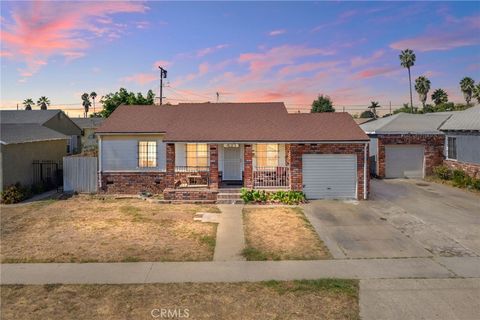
{"points": [[80, 174]]}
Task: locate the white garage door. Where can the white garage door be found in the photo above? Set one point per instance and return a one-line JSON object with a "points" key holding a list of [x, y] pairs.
{"points": [[404, 161], [329, 176]]}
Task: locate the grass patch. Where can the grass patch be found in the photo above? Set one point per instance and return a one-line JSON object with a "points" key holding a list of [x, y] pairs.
{"points": [[280, 233], [326, 299]]}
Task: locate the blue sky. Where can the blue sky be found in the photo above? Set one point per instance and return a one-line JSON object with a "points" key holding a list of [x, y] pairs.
{"points": [[247, 51]]}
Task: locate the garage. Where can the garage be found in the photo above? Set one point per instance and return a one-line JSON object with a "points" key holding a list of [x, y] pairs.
{"points": [[404, 161], [329, 176]]}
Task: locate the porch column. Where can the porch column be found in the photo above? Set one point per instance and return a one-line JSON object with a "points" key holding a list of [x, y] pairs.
{"points": [[294, 156], [213, 168], [170, 166], [248, 166]]}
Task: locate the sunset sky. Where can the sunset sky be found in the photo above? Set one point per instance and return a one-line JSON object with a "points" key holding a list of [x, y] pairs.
{"points": [[253, 51]]}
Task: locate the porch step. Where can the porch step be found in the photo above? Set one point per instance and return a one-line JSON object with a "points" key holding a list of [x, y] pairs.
{"points": [[229, 198], [225, 201]]}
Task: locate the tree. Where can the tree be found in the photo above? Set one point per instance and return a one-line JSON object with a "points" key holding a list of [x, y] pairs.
{"points": [[467, 85], [367, 114], [439, 96], [407, 60], [93, 95], [112, 100], [43, 102], [422, 86], [28, 103], [373, 106], [86, 103], [322, 104], [476, 92]]}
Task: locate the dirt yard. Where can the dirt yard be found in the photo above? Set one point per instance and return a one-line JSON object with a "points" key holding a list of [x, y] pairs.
{"points": [[91, 229], [281, 233], [313, 299]]}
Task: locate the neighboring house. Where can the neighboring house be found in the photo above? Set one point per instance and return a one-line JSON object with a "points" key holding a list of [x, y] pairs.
{"points": [[462, 141], [406, 145], [88, 139], [360, 121], [190, 151]]}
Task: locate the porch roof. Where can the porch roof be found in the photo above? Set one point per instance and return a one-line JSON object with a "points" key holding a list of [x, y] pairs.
{"points": [[232, 122]]}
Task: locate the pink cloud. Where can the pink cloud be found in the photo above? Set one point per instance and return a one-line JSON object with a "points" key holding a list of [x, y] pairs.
{"points": [[140, 78], [373, 72], [162, 63], [453, 34], [278, 32], [46, 28], [206, 51], [361, 61], [306, 67]]}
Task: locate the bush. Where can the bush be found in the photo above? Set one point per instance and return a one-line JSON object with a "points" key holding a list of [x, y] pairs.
{"points": [[262, 196], [459, 178], [14, 194], [443, 172]]}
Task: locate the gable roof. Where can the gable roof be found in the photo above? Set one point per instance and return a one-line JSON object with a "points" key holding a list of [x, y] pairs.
{"points": [[406, 123], [466, 120], [232, 122], [27, 116], [30, 132], [89, 123]]}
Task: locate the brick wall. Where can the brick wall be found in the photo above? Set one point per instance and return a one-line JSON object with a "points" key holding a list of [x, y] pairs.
{"points": [[433, 144], [190, 194], [170, 166], [472, 169], [133, 182], [248, 166], [213, 148], [295, 152]]}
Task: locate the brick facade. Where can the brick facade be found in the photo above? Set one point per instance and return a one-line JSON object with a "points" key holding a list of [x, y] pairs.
{"points": [[294, 157], [472, 169], [132, 182], [214, 179], [248, 166], [433, 144], [189, 194], [170, 166]]}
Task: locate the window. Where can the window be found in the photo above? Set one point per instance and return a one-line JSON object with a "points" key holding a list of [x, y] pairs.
{"points": [[452, 148], [266, 155], [197, 155], [147, 154]]}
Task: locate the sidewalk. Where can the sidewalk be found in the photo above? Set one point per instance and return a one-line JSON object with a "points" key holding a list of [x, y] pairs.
{"points": [[230, 238], [237, 271]]}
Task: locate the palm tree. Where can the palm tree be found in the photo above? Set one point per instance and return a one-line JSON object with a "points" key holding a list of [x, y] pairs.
{"points": [[467, 85], [28, 103], [374, 105], [93, 95], [407, 60], [422, 86], [86, 103], [43, 102], [439, 96], [476, 92]]}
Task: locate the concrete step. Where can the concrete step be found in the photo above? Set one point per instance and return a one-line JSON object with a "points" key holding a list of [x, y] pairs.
{"points": [[230, 201], [230, 190], [228, 196]]}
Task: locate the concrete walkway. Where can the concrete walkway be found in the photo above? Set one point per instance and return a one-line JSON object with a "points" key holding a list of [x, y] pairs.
{"points": [[230, 238], [237, 271]]}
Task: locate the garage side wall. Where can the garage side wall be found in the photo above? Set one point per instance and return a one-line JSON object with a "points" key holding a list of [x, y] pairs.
{"points": [[294, 153], [433, 143]]}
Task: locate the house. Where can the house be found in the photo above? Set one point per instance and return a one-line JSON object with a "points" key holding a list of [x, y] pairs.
{"points": [[32, 145], [406, 145], [191, 151], [88, 139], [462, 141]]}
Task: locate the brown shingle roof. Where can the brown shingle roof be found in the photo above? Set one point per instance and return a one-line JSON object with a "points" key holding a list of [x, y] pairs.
{"points": [[232, 122]]}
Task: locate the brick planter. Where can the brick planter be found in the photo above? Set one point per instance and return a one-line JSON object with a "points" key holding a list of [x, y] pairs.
{"points": [[133, 182], [472, 169], [190, 194]]}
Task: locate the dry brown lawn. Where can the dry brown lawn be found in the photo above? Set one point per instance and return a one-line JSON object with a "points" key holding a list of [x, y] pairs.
{"points": [[281, 233], [91, 229], [315, 299]]}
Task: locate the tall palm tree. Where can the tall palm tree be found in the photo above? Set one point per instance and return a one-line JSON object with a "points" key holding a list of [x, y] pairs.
{"points": [[407, 60], [86, 103], [422, 86], [476, 92], [28, 103], [374, 105], [467, 85], [93, 95], [439, 96], [43, 102]]}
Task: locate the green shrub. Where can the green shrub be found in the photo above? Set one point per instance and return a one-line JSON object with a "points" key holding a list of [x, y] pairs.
{"points": [[459, 178], [443, 172], [262, 196], [14, 194]]}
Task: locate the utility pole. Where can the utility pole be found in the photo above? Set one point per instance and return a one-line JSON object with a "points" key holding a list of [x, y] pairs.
{"points": [[17, 106], [218, 96], [390, 107], [163, 74]]}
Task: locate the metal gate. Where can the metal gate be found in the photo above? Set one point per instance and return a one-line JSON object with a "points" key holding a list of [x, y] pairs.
{"points": [[47, 174]]}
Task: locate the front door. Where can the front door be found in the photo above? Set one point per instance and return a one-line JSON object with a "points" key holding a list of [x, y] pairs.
{"points": [[231, 163]]}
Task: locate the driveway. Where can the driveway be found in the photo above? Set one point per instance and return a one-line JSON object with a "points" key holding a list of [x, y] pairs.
{"points": [[404, 218]]}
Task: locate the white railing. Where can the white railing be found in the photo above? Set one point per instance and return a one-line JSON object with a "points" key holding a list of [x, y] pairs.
{"points": [[271, 177]]}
